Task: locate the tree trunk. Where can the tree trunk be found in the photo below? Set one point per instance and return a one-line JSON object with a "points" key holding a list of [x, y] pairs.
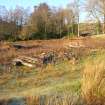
{"points": [[104, 25], [60, 30], [78, 25], [45, 33]]}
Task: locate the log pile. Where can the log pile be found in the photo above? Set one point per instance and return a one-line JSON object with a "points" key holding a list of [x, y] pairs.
{"points": [[25, 61], [75, 45], [43, 59], [33, 61]]}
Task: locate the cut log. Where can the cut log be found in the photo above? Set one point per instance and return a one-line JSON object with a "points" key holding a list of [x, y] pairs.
{"points": [[18, 46], [76, 46], [28, 59], [19, 62], [84, 34]]}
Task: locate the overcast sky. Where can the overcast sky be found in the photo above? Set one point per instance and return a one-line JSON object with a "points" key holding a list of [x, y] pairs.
{"points": [[9, 4]]}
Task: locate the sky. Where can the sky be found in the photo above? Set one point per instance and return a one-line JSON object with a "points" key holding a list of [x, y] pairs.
{"points": [[9, 4], [31, 3]]}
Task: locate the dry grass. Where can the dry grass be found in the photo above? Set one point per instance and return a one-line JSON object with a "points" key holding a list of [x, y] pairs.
{"points": [[102, 36], [93, 83], [64, 77], [65, 99], [58, 78]]}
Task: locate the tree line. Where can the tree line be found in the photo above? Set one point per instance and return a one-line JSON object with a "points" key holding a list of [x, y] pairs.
{"points": [[47, 22]]}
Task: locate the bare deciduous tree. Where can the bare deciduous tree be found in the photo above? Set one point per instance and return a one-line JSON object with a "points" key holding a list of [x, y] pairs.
{"points": [[75, 7], [96, 8]]}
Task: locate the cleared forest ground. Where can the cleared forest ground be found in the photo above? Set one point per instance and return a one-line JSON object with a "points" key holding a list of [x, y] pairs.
{"points": [[55, 79], [35, 47]]}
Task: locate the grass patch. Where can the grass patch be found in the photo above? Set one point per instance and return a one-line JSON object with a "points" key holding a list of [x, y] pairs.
{"points": [[101, 36], [53, 79]]}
